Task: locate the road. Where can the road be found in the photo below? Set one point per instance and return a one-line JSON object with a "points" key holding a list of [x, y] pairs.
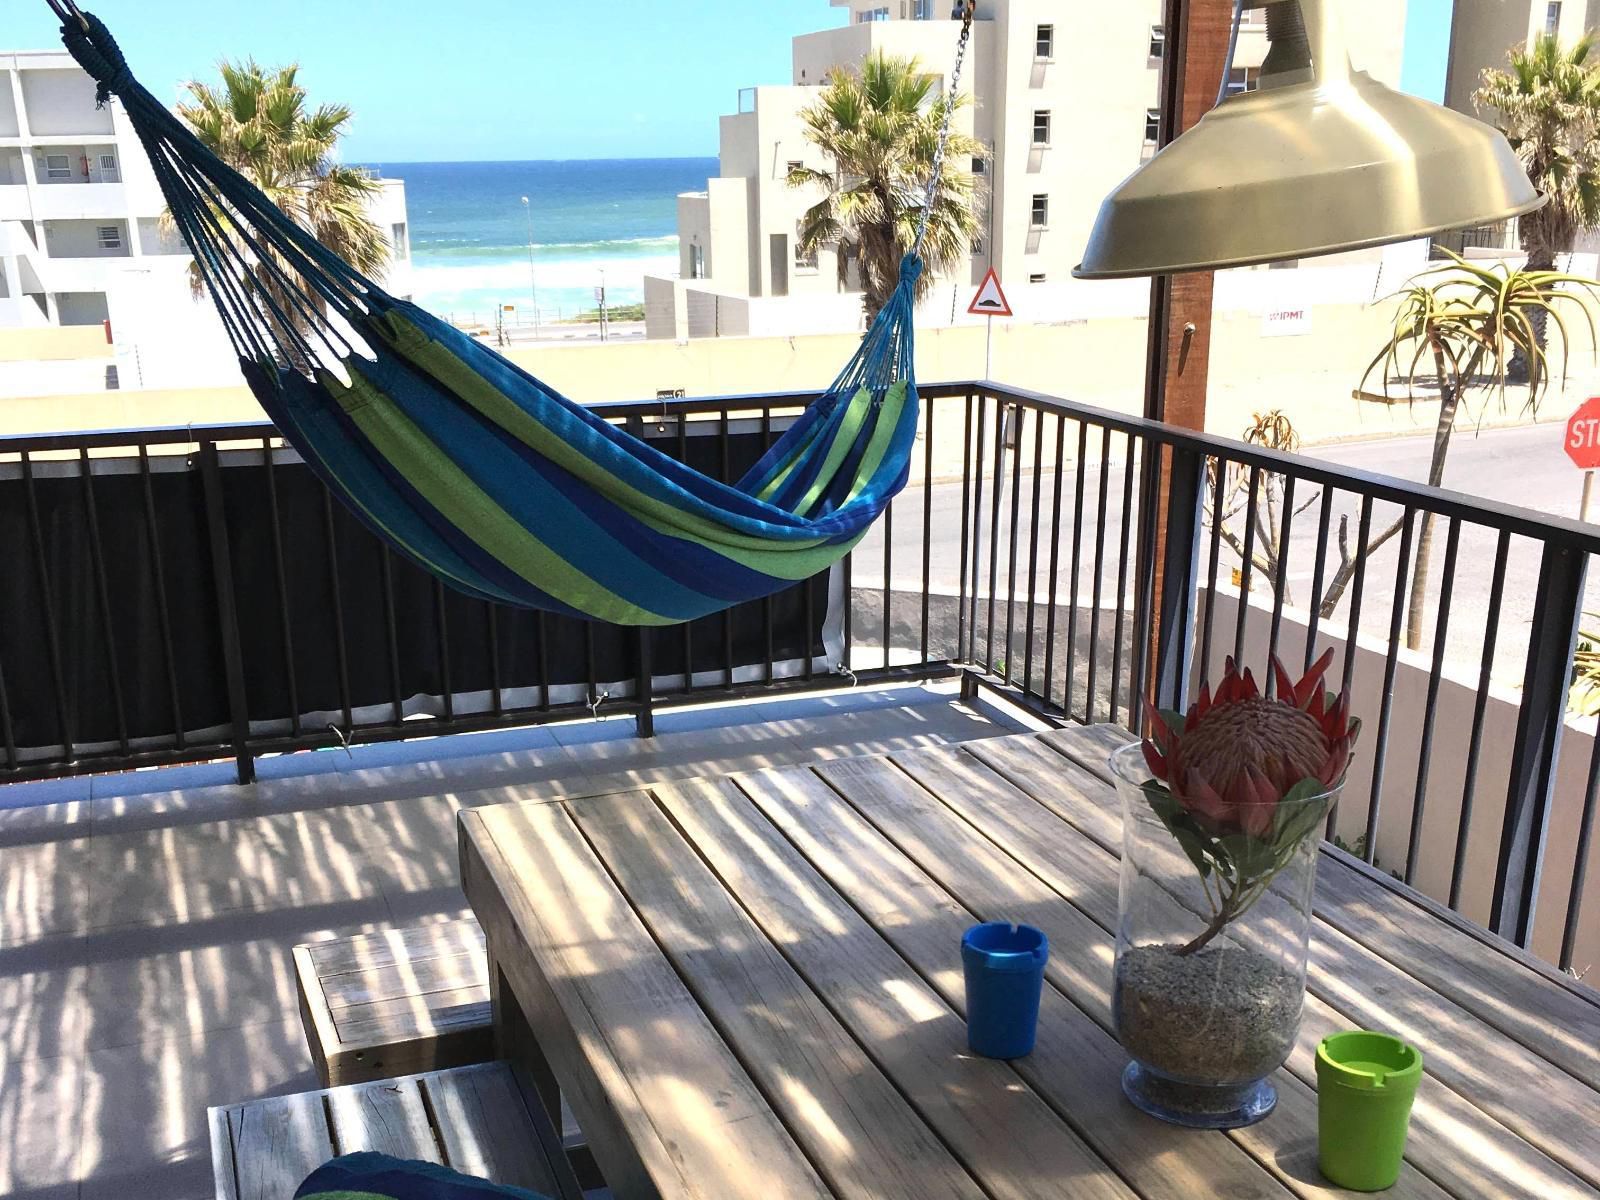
{"points": [[1524, 466]]}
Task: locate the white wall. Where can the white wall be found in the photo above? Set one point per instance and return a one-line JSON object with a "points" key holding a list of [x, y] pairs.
{"points": [[62, 102], [81, 308], [8, 108], [164, 338], [81, 239]]}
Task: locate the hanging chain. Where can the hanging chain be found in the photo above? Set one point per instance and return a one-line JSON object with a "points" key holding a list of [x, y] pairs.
{"points": [[970, 9]]}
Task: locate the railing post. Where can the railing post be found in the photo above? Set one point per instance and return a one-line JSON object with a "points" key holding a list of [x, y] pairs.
{"points": [[1538, 740], [1173, 607], [644, 722], [227, 611]]}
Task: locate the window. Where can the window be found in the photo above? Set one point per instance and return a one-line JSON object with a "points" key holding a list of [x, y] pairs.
{"points": [[1552, 17], [1041, 211], [924, 10], [977, 245], [1158, 41], [697, 261], [1044, 42], [1036, 277], [979, 166], [57, 166], [804, 260], [872, 14], [1152, 126], [397, 239], [109, 236], [793, 165], [1041, 127], [1243, 79]]}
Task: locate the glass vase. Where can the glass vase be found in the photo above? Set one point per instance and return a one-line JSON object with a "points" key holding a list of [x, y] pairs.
{"points": [[1213, 928]]}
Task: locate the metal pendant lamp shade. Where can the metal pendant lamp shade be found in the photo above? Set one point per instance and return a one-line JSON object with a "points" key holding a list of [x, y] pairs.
{"points": [[1319, 160]]}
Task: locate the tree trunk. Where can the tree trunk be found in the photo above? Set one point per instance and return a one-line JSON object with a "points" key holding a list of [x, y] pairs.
{"points": [[1519, 370], [1449, 402]]}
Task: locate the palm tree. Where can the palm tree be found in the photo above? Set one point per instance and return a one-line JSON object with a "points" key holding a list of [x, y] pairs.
{"points": [[258, 123], [1465, 323], [880, 127], [1548, 105]]}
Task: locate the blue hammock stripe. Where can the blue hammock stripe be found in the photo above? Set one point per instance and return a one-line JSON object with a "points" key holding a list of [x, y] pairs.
{"points": [[474, 470]]}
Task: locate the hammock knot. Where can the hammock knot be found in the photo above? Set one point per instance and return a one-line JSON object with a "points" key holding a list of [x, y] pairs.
{"points": [[97, 52], [910, 268]]}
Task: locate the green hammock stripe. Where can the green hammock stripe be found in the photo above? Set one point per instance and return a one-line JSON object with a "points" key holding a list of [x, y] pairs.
{"points": [[888, 419], [844, 440], [442, 365], [466, 506], [789, 561], [794, 460], [353, 498]]}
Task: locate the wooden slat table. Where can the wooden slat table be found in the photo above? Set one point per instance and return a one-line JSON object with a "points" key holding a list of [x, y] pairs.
{"points": [[751, 986]]}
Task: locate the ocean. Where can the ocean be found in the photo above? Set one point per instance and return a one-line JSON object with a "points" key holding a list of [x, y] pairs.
{"points": [[469, 230]]}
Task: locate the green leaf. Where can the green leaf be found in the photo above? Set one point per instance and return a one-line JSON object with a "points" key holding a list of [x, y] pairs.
{"points": [[1250, 855], [1175, 720], [1180, 825]]}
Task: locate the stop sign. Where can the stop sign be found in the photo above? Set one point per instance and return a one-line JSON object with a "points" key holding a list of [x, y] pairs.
{"points": [[1583, 435]]}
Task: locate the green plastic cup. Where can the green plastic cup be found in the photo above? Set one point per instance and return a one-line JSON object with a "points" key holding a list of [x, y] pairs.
{"points": [[1365, 1085]]}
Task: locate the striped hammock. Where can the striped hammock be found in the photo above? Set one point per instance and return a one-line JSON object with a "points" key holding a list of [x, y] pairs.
{"points": [[473, 469]]}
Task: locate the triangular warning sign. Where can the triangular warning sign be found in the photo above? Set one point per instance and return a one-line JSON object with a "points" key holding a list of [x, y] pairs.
{"points": [[990, 300]]}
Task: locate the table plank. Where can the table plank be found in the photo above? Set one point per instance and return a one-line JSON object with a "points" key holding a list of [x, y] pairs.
{"points": [[1010, 1140], [482, 1123], [1559, 1022], [1471, 1056], [989, 883], [1075, 1064], [1492, 1161], [861, 1134], [671, 1110], [387, 1118], [284, 1138]]}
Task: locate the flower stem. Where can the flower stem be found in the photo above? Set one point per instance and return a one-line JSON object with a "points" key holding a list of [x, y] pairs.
{"points": [[1210, 931]]}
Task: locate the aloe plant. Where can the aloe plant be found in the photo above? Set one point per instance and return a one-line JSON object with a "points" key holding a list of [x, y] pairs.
{"points": [[1462, 323]]}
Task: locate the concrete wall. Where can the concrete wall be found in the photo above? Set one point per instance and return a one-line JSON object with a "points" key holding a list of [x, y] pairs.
{"points": [[1098, 363], [8, 108], [81, 239], [1446, 776], [62, 102], [27, 345], [81, 308]]}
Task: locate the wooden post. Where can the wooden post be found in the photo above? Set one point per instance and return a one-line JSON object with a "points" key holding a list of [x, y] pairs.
{"points": [[1178, 348]]}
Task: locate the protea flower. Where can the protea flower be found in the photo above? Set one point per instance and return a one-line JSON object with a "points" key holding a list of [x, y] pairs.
{"points": [[1238, 752]]}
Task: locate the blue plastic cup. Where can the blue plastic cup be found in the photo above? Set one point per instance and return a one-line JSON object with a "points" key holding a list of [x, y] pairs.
{"points": [[1004, 968]]}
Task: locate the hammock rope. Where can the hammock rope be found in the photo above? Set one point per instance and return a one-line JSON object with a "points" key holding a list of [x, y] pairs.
{"points": [[476, 471]]}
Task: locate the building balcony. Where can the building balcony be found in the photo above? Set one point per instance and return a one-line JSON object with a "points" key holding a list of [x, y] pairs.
{"points": [[209, 768], [931, 42], [79, 201]]}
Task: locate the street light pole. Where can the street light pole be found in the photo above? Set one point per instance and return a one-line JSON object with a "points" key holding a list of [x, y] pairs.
{"points": [[533, 279]]}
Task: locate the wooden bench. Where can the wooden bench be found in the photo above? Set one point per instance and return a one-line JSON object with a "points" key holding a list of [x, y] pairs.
{"points": [[475, 1119], [396, 1002]]}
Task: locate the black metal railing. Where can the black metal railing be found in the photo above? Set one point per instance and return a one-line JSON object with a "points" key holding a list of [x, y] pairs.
{"points": [[174, 595], [1103, 557]]}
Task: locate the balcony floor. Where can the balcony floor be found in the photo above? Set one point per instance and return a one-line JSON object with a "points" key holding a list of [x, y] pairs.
{"points": [[146, 918]]}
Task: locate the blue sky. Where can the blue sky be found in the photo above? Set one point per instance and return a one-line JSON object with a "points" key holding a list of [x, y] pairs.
{"points": [[515, 80], [509, 79]]}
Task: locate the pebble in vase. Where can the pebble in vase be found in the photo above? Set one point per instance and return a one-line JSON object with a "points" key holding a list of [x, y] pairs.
{"points": [[1222, 811]]}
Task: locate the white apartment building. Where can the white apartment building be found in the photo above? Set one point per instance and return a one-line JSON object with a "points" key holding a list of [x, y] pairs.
{"points": [[1483, 31], [1064, 98], [80, 233]]}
